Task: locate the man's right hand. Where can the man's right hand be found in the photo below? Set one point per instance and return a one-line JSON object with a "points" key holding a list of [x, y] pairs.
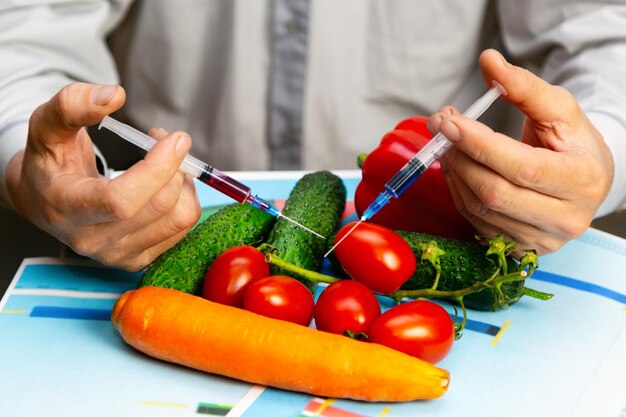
{"points": [[126, 221]]}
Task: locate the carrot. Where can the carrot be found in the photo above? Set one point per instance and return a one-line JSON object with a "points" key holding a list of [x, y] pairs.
{"points": [[191, 331]]}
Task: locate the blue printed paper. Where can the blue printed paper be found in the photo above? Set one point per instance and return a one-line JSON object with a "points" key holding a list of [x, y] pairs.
{"points": [[566, 357]]}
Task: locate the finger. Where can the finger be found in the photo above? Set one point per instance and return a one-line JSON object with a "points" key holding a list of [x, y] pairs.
{"points": [[435, 120], [458, 190], [492, 195], [123, 197], [180, 218], [157, 133], [539, 100], [121, 243], [76, 106], [97, 200], [537, 168], [527, 236], [488, 199], [119, 256], [129, 192]]}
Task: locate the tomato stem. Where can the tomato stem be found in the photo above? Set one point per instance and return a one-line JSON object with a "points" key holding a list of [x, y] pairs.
{"points": [[313, 277], [537, 294], [432, 253], [527, 265], [494, 281]]}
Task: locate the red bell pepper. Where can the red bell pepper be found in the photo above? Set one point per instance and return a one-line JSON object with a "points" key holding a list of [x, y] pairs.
{"points": [[427, 205]]}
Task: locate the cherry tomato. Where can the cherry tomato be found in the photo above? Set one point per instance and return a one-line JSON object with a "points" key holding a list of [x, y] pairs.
{"points": [[420, 328], [346, 305], [232, 273], [280, 297], [375, 256]]}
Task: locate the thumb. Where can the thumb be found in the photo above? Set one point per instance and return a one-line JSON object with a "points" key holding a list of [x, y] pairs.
{"points": [[76, 106], [536, 98]]}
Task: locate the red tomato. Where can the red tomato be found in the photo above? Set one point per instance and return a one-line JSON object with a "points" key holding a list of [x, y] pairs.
{"points": [[280, 297], [420, 328], [232, 272], [375, 256], [346, 305]]}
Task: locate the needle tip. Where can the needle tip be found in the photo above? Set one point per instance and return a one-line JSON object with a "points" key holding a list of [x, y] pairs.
{"points": [[302, 226], [341, 240]]}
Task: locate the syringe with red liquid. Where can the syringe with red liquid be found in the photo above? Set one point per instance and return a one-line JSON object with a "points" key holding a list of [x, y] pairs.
{"points": [[205, 173]]}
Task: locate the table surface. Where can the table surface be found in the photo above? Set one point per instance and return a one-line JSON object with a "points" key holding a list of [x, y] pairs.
{"points": [[59, 355]]}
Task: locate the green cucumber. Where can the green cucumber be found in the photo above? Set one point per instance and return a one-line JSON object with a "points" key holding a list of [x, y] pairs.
{"points": [[317, 202], [184, 266], [462, 264]]}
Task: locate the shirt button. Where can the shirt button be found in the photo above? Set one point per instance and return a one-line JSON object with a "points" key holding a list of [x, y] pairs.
{"points": [[293, 26], [289, 137]]}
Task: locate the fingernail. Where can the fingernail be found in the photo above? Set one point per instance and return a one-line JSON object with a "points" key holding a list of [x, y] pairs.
{"points": [[450, 130], [434, 122], [183, 143], [503, 59], [102, 95]]}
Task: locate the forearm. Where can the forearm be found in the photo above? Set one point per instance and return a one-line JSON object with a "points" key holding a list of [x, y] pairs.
{"points": [[44, 47], [581, 47], [17, 102], [594, 77]]}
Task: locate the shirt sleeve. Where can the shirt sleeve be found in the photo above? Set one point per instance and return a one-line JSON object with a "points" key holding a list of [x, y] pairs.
{"points": [[45, 45], [580, 46]]}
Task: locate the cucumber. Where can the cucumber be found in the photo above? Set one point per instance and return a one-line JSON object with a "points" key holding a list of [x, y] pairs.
{"points": [[317, 202], [462, 265], [184, 266]]}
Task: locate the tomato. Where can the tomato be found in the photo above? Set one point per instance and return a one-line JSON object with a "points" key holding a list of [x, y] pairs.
{"points": [[232, 272], [280, 297], [346, 305], [375, 256], [420, 328]]}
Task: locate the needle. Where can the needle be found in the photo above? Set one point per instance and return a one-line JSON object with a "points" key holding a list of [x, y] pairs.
{"points": [[281, 215], [341, 240]]}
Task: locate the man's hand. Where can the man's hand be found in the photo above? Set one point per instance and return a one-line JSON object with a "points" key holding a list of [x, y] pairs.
{"points": [[541, 191], [127, 221]]}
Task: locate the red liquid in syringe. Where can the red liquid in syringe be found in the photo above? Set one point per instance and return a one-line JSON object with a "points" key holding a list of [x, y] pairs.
{"points": [[225, 184]]}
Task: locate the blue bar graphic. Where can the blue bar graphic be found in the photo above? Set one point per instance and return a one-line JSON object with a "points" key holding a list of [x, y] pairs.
{"points": [[579, 285], [71, 313], [479, 326]]}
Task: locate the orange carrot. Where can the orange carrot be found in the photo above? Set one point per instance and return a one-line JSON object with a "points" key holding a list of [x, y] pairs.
{"points": [[191, 331]]}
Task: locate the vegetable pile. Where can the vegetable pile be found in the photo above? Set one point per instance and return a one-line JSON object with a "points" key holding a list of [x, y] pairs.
{"points": [[237, 297]]}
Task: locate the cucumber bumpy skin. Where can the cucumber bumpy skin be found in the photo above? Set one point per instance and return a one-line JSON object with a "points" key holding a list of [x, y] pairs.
{"points": [[462, 265], [184, 266], [317, 202]]}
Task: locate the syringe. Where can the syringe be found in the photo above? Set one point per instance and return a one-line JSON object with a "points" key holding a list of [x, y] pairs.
{"points": [[422, 160], [202, 171]]}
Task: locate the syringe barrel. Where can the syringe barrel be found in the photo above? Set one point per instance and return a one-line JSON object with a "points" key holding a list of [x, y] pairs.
{"points": [[193, 166], [416, 166], [190, 165], [225, 184]]}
